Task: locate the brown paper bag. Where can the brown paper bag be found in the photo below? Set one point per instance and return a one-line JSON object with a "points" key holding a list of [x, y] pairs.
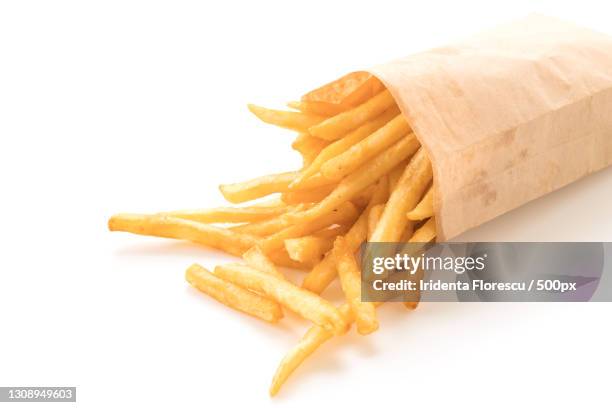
{"points": [[507, 116]]}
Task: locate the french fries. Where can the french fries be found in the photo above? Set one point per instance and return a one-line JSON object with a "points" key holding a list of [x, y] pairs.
{"points": [[426, 232], [325, 271], [363, 177], [358, 154], [313, 338], [169, 227], [406, 195], [306, 304], [351, 185], [308, 248], [343, 213], [308, 146], [424, 208], [312, 195], [351, 90], [290, 120], [341, 145], [316, 108], [373, 218], [256, 188], [229, 214], [348, 270], [255, 258], [232, 295], [337, 126]]}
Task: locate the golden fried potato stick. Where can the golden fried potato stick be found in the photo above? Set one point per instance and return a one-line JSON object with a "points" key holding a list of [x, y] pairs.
{"points": [[325, 271], [341, 145], [426, 232], [229, 214], [351, 90], [255, 258], [408, 231], [308, 248], [406, 195], [362, 199], [169, 227], [313, 338], [338, 126], [396, 174], [257, 187], [314, 181], [350, 279], [358, 154], [314, 108], [373, 218], [312, 195], [280, 257], [413, 304], [232, 295], [351, 185], [261, 228], [308, 146], [424, 208], [269, 226], [308, 305], [298, 121], [344, 213]]}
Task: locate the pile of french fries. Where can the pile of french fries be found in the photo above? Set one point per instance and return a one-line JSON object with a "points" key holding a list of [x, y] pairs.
{"points": [[364, 178]]}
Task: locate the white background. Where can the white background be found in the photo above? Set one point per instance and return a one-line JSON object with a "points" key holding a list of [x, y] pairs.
{"points": [[140, 106]]}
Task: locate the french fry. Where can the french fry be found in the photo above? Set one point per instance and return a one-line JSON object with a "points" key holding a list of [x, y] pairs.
{"points": [[316, 108], [255, 258], [373, 218], [280, 257], [406, 195], [396, 174], [261, 228], [315, 181], [312, 195], [344, 213], [362, 199], [177, 228], [333, 231], [232, 295], [308, 248], [258, 187], [338, 126], [351, 90], [269, 202], [424, 208], [350, 279], [311, 341], [351, 185], [426, 232], [229, 214], [325, 271], [358, 154], [306, 304], [298, 121], [308, 146], [341, 145], [408, 231], [269, 226]]}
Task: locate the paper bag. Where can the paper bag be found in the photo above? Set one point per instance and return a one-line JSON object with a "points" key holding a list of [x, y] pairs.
{"points": [[507, 116]]}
